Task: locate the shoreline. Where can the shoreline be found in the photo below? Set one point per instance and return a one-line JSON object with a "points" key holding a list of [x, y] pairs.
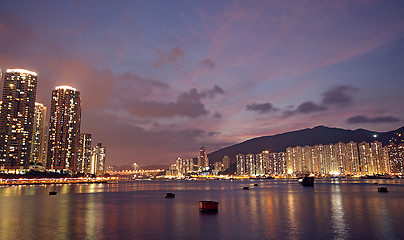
{"points": [[50, 181]]}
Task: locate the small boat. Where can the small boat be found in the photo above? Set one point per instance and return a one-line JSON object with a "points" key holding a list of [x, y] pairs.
{"points": [[52, 193], [382, 189], [307, 181], [375, 183], [169, 195], [208, 206], [246, 188], [255, 184]]}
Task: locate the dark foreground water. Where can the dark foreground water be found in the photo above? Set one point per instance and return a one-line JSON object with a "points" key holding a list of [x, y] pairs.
{"points": [[276, 209]]}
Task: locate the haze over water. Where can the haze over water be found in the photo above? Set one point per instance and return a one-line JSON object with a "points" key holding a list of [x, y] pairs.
{"points": [[276, 209]]}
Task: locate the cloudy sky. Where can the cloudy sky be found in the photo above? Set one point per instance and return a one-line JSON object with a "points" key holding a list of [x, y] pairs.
{"points": [[159, 79]]}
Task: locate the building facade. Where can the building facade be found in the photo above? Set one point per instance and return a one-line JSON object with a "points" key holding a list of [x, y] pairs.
{"points": [[38, 148], [203, 160], [17, 119], [226, 162], [84, 153], [64, 129], [97, 167]]}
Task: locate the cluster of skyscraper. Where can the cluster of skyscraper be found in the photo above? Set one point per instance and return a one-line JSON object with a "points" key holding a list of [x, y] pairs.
{"points": [[332, 159], [27, 141], [184, 166]]}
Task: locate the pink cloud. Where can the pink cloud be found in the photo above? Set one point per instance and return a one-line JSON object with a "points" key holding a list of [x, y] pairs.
{"points": [[173, 57]]}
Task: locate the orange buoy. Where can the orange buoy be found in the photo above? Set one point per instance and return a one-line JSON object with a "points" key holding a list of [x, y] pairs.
{"points": [[208, 206]]}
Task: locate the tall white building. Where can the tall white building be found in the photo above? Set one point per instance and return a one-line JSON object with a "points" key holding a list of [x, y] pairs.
{"points": [[38, 148], [97, 166]]}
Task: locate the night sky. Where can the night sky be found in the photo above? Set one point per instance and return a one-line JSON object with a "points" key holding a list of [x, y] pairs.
{"points": [[160, 79]]}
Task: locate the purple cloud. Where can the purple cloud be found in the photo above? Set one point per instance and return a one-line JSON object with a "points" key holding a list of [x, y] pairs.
{"points": [[217, 115], [339, 95], [207, 63], [306, 108], [261, 107], [188, 104], [173, 57], [365, 119], [211, 93]]}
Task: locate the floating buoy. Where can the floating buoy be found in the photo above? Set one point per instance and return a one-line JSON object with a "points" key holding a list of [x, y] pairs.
{"points": [[208, 206], [52, 193], [246, 188], [169, 195]]}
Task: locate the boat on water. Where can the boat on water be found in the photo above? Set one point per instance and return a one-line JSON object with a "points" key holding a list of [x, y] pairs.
{"points": [[169, 195], [52, 193], [382, 189], [307, 181]]}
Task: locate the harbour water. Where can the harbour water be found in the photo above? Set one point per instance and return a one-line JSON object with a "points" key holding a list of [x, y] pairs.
{"points": [[275, 209]]}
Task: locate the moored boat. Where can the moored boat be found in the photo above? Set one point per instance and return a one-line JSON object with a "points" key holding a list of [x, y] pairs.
{"points": [[382, 189], [307, 181], [169, 195]]}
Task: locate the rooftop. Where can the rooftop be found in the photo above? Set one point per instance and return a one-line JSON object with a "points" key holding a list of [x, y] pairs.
{"points": [[24, 71], [65, 88]]}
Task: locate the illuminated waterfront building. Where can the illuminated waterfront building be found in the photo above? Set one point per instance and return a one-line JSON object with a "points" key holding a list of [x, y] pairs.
{"points": [[217, 167], [353, 158], [240, 164], [332, 159], [97, 165], [396, 157], [38, 148], [17, 118], [278, 163], [261, 162], [267, 164], [189, 165], [299, 161], [180, 165], [380, 165], [291, 160], [172, 170], [364, 155], [184, 166], [307, 159], [250, 164], [226, 162], [84, 153], [386, 160], [318, 155], [64, 129], [203, 160], [330, 163]]}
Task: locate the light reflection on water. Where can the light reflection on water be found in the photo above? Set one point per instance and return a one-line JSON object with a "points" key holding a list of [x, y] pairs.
{"points": [[276, 209]]}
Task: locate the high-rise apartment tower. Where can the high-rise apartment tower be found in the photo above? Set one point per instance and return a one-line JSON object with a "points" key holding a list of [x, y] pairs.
{"points": [[64, 129], [17, 118], [38, 149]]}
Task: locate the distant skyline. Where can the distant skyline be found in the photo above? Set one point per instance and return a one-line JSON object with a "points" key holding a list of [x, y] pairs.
{"points": [[160, 79]]}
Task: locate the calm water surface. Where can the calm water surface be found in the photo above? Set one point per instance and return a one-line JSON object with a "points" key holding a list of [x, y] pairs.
{"points": [[276, 209]]}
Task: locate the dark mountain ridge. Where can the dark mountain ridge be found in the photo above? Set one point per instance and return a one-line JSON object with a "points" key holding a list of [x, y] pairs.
{"points": [[308, 136]]}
